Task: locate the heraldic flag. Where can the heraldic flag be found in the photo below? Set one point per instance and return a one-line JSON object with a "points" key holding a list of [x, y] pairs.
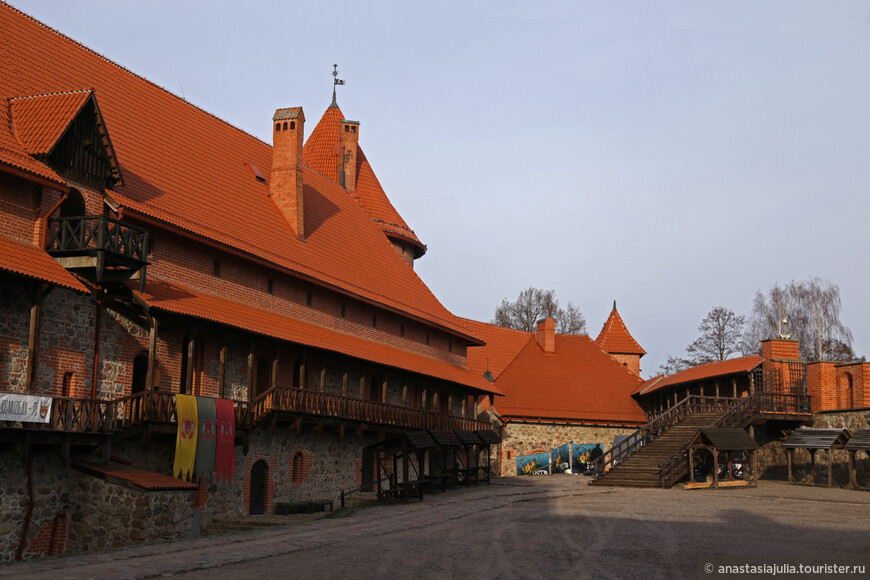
{"points": [[206, 435], [225, 452], [185, 443]]}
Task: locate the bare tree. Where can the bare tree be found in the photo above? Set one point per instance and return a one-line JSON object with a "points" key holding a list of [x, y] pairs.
{"points": [[721, 333], [807, 311], [532, 305]]}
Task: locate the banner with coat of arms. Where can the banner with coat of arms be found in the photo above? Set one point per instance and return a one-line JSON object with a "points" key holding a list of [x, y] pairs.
{"points": [[185, 442], [225, 451], [25, 408], [206, 436]]}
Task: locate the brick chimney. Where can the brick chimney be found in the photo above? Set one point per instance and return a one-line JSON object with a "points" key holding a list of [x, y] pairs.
{"points": [[285, 186], [349, 140], [780, 348], [546, 334]]}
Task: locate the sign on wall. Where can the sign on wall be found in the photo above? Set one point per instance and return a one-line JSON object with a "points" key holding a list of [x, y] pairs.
{"points": [[25, 408]]}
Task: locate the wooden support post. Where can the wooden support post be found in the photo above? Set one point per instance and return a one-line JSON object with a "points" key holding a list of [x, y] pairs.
{"points": [[789, 454], [152, 354], [191, 353], [751, 384], [754, 467], [715, 468], [344, 378], [813, 466], [691, 465], [222, 371], [830, 455], [383, 391], [250, 377], [853, 477], [323, 377], [33, 335], [273, 380], [717, 388], [362, 387], [303, 374]]}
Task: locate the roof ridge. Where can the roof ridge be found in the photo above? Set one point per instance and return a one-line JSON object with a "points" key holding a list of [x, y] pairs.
{"points": [[529, 343], [52, 94], [494, 325], [127, 70]]}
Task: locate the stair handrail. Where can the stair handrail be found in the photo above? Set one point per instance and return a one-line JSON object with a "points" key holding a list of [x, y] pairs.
{"points": [[738, 415], [645, 434]]}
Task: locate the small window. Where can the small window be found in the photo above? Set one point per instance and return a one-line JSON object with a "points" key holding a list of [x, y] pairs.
{"points": [[285, 125], [353, 129], [270, 286], [292, 124], [343, 311], [346, 128], [67, 384], [216, 269], [309, 299], [277, 126]]}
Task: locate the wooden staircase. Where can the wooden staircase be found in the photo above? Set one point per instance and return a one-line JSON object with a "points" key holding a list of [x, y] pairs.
{"points": [[642, 468]]}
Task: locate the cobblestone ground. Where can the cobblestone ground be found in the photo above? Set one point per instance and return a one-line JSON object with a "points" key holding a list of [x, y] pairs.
{"points": [[520, 528]]}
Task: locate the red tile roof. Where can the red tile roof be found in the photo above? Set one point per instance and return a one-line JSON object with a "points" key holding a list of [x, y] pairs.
{"points": [[578, 383], [502, 346], [703, 372], [40, 121], [186, 301], [187, 168], [30, 261], [137, 477], [615, 338], [321, 153]]}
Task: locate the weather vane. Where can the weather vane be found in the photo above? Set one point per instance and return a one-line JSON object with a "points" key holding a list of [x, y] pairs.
{"points": [[335, 82]]}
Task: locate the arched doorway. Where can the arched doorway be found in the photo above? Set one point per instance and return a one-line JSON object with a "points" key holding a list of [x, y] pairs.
{"points": [[259, 472], [73, 205], [140, 372]]}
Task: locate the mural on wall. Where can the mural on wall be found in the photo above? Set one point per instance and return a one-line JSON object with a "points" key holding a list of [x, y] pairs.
{"points": [[581, 455], [561, 458], [534, 463]]}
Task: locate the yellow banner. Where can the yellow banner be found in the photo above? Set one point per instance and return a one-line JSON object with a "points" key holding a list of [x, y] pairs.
{"points": [[185, 443]]}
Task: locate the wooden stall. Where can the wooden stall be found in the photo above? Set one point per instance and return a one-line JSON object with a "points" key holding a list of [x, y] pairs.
{"points": [[401, 462], [814, 440], [860, 441], [467, 473], [444, 460], [488, 438], [731, 448]]}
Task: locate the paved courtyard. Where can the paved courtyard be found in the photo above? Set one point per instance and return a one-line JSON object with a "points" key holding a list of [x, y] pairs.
{"points": [[520, 528]]}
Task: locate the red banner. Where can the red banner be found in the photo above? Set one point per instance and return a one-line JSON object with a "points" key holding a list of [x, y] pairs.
{"points": [[225, 450]]}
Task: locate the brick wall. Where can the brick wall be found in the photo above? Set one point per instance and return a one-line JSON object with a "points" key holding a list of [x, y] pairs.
{"points": [[19, 206], [781, 349]]}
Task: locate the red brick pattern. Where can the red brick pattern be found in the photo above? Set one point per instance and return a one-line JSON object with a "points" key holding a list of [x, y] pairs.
{"points": [[780, 349], [299, 465], [50, 540]]}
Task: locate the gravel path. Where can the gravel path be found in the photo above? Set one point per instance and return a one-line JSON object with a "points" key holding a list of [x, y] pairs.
{"points": [[519, 528]]}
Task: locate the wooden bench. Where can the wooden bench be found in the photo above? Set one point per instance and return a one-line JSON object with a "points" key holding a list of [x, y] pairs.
{"points": [[303, 507]]}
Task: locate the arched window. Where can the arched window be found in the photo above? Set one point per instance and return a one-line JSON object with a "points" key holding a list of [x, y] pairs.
{"points": [[140, 372], [845, 393], [296, 476]]}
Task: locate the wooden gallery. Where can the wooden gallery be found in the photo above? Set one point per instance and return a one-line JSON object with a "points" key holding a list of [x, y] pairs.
{"points": [[149, 249]]}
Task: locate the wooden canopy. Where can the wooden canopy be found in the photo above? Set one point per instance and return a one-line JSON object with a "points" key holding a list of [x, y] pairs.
{"points": [[446, 438], [860, 441], [817, 439], [728, 439], [488, 437]]}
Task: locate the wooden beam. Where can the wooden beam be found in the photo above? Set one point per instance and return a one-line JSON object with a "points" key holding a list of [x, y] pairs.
{"points": [[323, 377], [344, 379], [384, 391], [34, 335], [362, 387], [191, 353], [273, 381], [250, 377], [222, 371]]}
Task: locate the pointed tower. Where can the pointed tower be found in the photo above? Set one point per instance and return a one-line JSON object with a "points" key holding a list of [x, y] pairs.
{"points": [[333, 151], [615, 340]]}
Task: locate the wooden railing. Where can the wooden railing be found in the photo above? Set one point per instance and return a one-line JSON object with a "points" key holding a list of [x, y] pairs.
{"points": [[74, 415], [146, 406], [659, 424], [74, 235], [317, 403], [784, 404], [741, 414]]}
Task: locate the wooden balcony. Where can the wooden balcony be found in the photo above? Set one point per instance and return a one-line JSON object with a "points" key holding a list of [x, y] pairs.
{"points": [[69, 415], [318, 405], [99, 247]]}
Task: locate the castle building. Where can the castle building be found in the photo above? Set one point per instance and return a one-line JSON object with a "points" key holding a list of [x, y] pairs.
{"points": [[149, 249]]}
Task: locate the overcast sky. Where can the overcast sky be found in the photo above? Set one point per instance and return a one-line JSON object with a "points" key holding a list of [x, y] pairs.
{"points": [[673, 156]]}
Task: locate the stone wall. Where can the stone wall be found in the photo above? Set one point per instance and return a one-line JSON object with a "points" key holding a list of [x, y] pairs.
{"points": [[523, 438]]}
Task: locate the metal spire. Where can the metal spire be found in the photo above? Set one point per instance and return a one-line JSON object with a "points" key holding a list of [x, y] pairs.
{"points": [[335, 82]]}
